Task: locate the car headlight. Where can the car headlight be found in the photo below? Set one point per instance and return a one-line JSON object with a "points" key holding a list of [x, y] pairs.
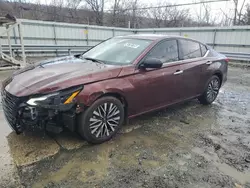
{"points": [[58, 98]]}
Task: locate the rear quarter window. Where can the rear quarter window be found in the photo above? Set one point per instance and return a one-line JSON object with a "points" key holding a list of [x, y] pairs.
{"points": [[203, 49]]}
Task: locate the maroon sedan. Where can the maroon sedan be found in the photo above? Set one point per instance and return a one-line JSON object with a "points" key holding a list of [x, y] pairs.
{"points": [[95, 92]]}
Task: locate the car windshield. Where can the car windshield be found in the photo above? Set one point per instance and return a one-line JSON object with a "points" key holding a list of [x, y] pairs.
{"points": [[117, 51]]}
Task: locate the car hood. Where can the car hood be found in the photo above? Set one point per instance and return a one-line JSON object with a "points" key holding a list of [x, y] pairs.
{"points": [[57, 74]]}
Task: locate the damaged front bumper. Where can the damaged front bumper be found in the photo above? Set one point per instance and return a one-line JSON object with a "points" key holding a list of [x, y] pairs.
{"points": [[49, 119], [53, 118]]}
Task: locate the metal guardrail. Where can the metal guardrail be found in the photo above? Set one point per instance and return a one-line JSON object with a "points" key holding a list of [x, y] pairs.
{"points": [[238, 56], [73, 49], [45, 49]]}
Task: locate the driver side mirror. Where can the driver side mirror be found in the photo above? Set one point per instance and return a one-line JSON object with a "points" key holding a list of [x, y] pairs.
{"points": [[153, 63]]}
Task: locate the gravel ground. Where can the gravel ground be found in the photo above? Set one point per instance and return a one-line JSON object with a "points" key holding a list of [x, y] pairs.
{"points": [[186, 145]]}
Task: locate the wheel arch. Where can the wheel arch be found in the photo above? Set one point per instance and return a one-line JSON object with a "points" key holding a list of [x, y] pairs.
{"points": [[216, 73], [115, 94], [220, 75]]}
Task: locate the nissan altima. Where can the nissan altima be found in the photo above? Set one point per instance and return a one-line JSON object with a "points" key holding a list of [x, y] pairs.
{"points": [[95, 92]]}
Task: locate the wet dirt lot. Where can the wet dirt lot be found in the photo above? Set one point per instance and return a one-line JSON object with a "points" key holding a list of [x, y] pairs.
{"points": [[187, 145]]}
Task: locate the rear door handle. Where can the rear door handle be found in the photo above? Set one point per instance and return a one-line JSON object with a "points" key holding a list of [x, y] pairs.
{"points": [[209, 62], [178, 72]]}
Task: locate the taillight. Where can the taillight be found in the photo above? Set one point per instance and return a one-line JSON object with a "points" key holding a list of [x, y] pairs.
{"points": [[227, 59]]}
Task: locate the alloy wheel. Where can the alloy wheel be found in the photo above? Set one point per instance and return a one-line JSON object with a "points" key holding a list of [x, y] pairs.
{"points": [[213, 89], [105, 120]]}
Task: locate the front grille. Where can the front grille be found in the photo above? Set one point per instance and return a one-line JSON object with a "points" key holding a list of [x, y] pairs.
{"points": [[10, 105]]}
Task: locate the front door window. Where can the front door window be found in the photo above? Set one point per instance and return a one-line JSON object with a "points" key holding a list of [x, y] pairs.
{"points": [[166, 51]]}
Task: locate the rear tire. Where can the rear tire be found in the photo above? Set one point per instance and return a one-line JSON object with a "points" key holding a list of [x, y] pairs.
{"points": [[211, 91], [102, 120]]}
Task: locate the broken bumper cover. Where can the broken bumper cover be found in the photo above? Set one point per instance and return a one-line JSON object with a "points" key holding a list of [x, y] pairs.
{"points": [[50, 117]]}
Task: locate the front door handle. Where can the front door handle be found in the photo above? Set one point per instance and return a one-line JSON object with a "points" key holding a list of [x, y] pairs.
{"points": [[209, 62], [178, 72]]}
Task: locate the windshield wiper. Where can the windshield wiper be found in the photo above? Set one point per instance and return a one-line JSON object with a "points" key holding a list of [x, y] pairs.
{"points": [[94, 60]]}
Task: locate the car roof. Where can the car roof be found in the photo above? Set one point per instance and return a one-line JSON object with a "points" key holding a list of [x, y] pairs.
{"points": [[157, 37], [150, 36]]}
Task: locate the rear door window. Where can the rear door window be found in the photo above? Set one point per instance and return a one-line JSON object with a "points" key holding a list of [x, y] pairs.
{"points": [[189, 49], [166, 51]]}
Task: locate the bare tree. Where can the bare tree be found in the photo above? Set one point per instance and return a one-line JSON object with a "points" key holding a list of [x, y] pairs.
{"points": [[235, 10], [205, 16], [17, 7], [168, 16], [225, 20], [55, 10], [238, 12], [119, 13], [5, 8], [247, 15], [127, 13], [37, 13], [208, 17], [157, 15], [135, 13], [134, 7], [73, 6], [97, 6], [177, 17]]}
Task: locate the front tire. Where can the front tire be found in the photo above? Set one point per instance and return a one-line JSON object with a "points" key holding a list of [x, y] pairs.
{"points": [[211, 91], [102, 120]]}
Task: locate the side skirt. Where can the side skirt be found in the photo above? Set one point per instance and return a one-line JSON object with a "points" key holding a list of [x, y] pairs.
{"points": [[161, 107]]}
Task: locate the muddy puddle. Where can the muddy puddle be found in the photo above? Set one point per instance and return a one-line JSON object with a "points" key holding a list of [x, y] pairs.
{"points": [[210, 156]]}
